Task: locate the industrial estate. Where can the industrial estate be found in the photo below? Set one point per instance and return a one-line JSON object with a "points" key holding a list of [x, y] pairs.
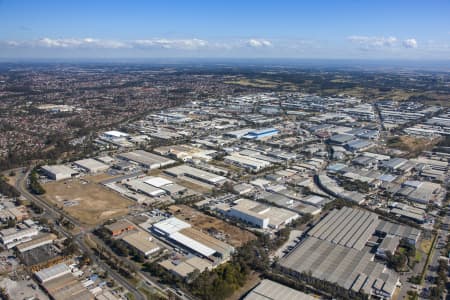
{"points": [[266, 195]]}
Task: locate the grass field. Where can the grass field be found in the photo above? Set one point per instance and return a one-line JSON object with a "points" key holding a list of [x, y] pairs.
{"points": [[425, 245], [233, 235], [93, 203]]}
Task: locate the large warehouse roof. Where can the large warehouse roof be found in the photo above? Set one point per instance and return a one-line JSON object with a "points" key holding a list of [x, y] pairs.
{"points": [[192, 244], [91, 165], [347, 267], [147, 159], [171, 225], [157, 181], [347, 227], [271, 290], [52, 272]]}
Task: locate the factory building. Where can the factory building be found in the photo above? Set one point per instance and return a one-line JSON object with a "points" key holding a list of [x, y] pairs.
{"points": [[11, 237], [261, 134], [247, 162], [146, 159], [58, 172], [180, 233], [115, 135], [337, 250], [142, 242], [91, 165], [260, 215], [271, 290], [196, 174], [60, 283]]}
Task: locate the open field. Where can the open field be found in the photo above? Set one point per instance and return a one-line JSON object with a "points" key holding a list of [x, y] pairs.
{"points": [[233, 235], [411, 144], [86, 201]]}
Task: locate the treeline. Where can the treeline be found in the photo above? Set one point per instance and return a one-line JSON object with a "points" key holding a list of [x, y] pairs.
{"points": [[7, 189], [34, 185]]}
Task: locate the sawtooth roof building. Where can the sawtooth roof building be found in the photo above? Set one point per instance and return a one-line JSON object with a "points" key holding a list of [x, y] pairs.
{"points": [[338, 250]]}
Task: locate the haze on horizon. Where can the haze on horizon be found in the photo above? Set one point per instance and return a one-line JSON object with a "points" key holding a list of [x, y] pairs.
{"points": [[367, 30]]}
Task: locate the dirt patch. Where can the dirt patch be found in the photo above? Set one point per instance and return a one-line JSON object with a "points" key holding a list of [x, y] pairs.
{"points": [[411, 144], [86, 201], [229, 233]]}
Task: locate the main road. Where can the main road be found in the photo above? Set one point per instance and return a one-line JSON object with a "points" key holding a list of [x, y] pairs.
{"points": [[55, 214]]}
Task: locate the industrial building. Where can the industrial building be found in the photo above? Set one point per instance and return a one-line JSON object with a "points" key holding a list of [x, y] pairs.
{"points": [[258, 214], [271, 290], [261, 134], [11, 237], [142, 242], [91, 165], [347, 227], [115, 135], [146, 159], [59, 282], [247, 162], [38, 241], [196, 174], [120, 227], [58, 172], [181, 233], [347, 267], [184, 268]]}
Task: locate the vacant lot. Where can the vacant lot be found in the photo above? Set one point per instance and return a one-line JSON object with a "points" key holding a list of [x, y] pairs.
{"points": [[87, 201], [412, 145], [231, 234]]}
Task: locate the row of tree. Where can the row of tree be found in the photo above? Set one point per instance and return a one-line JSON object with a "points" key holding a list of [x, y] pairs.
{"points": [[34, 184], [7, 189]]}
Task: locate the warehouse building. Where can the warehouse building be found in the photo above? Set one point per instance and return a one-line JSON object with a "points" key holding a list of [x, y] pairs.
{"points": [[260, 215], [142, 242], [59, 282], [347, 267], [247, 162], [53, 272], [38, 241], [58, 172], [146, 159], [261, 134], [120, 227], [181, 233], [184, 268], [338, 250], [11, 237], [347, 227], [271, 290], [196, 174], [91, 165]]}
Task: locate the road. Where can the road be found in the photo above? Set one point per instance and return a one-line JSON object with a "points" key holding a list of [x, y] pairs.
{"points": [[55, 214]]}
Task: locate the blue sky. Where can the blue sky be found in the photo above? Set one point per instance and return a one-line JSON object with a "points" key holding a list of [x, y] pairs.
{"points": [[269, 29]]}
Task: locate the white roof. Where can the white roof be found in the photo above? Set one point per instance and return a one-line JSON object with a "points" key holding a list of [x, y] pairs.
{"points": [[171, 225], [158, 181], [192, 244], [116, 133], [52, 272]]}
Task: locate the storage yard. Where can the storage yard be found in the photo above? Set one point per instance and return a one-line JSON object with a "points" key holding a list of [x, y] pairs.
{"points": [[89, 202], [231, 234]]}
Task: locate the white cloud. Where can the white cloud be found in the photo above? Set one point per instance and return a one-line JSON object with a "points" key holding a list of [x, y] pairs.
{"points": [[258, 43], [373, 41], [68, 43], [410, 43], [171, 43]]}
